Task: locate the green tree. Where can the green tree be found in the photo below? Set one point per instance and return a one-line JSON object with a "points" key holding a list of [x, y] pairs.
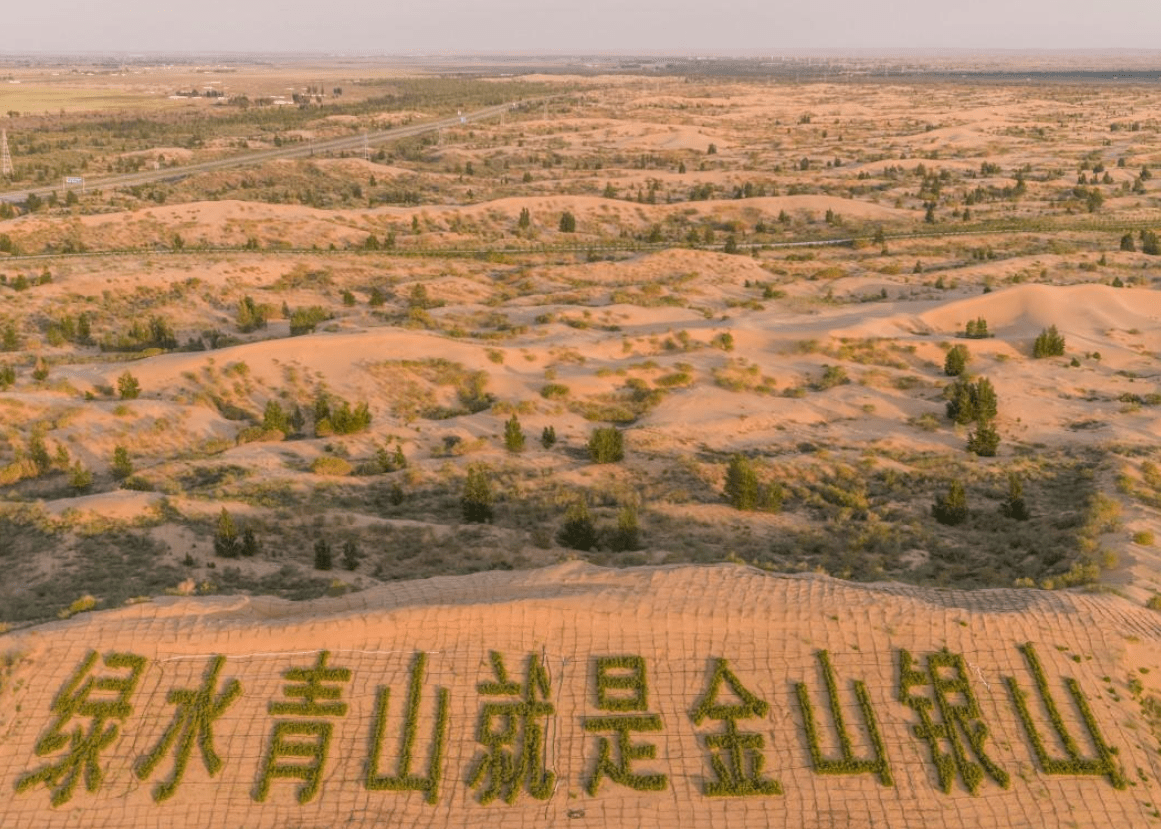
{"points": [[956, 361], [1049, 343], [226, 541], [477, 498], [741, 488], [513, 434], [249, 316], [525, 220], [626, 536], [1013, 505], [84, 330], [578, 532], [567, 222], [984, 399], [1150, 244], [951, 507], [122, 464], [977, 329], [961, 404], [547, 436], [128, 387], [38, 454], [985, 440], [7, 376], [250, 545], [80, 478], [351, 554], [323, 557], [10, 339], [274, 418], [606, 445]]}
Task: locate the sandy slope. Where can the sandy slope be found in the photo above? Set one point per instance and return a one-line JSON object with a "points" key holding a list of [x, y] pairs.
{"points": [[680, 621]]}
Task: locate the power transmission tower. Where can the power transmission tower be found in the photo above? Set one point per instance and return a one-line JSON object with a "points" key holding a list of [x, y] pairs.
{"points": [[5, 156]]}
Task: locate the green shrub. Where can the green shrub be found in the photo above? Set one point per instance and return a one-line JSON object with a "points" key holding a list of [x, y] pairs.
{"points": [[82, 605], [626, 536], [323, 558], [513, 434], [956, 361], [127, 387], [1144, 538], [226, 542], [951, 508], [329, 465], [1013, 505], [548, 437], [847, 763], [122, 465], [350, 554], [968, 401], [741, 488], [476, 501], [606, 445], [1104, 764], [977, 329], [305, 320], [80, 478], [554, 391], [1049, 343], [985, 440], [578, 532], [831, 376]]}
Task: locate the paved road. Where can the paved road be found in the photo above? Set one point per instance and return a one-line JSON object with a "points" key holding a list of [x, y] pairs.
{"points": [[352, 142]]}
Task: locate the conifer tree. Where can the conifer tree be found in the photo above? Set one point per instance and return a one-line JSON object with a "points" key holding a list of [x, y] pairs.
{"points": [[477, 498], [1014, 506], [513, 434], [122, 465], [578, 532], [226, 542], [323, 557], [985, 440], [1049, 343], [627, 534], [741, 488], [951, 508], [956, 361]]}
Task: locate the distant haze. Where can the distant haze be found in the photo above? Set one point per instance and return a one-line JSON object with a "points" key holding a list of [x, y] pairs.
{"points": [[543, 26]]}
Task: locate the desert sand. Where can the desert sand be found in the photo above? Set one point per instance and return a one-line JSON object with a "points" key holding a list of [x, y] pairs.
{"points": [[731, 274]]}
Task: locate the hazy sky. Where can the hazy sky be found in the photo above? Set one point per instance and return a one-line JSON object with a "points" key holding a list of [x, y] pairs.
{"points": [[530, 26]]}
